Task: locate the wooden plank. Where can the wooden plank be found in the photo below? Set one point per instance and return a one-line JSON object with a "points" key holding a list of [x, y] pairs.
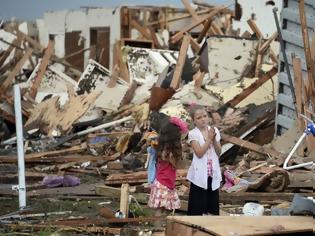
{"points": [[78, 148], [258, 59], [298, 78], [192, 12], [180, 63], [244, 225], [42, 68], [204, 31], [307, 50], [8, 51], [178, 36], [246, 92], [124, 199], [137, 177], [183, 16], [9, 80], [252, 146], [194, 45]]}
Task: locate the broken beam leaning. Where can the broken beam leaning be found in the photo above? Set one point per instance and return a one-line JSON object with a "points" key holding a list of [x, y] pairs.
{"points": [[180, 63], [42, 68], [253, 147]]}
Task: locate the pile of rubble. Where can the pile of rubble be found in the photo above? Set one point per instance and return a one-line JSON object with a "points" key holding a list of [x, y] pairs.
{"points": [[92, 123]]}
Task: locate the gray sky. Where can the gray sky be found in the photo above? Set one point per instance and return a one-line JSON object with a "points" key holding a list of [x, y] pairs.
{"points": [[32, 9]]}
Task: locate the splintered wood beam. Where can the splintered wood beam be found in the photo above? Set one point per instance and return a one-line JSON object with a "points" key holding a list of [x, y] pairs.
{"points": [[178, 36], [9, 80], [246, 92], [191, 11], [252, 146], [204, 31], [8, 51], [184, 16], [180, 63], [194, 45], [307, 50], [42, 68]]}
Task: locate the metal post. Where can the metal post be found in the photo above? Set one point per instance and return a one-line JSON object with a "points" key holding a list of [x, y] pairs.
{"points": [[20, 146]]}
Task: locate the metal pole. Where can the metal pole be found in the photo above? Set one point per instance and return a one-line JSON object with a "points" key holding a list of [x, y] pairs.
{"points": [[275, 9], [285, 165], [20, 146]]}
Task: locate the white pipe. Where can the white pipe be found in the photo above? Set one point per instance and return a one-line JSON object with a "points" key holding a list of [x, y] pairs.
{"points": [[285, 165], [20, 146], [13, 139], [106, 125]]}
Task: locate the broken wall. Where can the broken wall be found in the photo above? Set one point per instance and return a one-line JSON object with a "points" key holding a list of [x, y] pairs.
{"points": [[58, 23]]}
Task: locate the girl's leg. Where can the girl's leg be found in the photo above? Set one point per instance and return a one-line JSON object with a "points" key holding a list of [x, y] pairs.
{"points": [[197, 201], [212, 199], [159, 212]]}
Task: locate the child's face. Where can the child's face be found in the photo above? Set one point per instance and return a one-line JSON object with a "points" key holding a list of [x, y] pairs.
{"points": [[201, 119]]}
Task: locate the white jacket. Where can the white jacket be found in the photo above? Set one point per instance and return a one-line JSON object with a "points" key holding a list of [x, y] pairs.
{"points": [[198, 172]]}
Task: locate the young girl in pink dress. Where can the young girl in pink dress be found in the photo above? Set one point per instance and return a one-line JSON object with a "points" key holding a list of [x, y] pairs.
{"points": [[163, 194]]}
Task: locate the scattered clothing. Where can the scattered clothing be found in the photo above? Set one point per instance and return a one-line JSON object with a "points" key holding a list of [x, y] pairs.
{"points": [[61, 181], [233, 183]]}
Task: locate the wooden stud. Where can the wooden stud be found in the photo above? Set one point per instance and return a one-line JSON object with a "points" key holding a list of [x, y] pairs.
{"points": [[180, 63], [124, 200], [9, 80], [298, 78], [42, 68], [307, 50]]}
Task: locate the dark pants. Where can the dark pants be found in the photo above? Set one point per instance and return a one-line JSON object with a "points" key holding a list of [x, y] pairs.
{"points": [[202, 201]]}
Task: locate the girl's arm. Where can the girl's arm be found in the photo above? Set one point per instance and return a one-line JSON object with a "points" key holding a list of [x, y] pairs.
{"points": [[200, 150], [217, 147]]}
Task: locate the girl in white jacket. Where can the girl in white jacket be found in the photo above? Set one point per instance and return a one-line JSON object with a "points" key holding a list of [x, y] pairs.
{"points": [[204, 173]]}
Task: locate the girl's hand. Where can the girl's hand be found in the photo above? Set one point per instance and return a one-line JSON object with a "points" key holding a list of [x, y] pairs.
{"points": [[211, 134]]}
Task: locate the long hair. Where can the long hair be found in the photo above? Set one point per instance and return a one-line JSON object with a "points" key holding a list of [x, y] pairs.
{"points": [[169, 144]]}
